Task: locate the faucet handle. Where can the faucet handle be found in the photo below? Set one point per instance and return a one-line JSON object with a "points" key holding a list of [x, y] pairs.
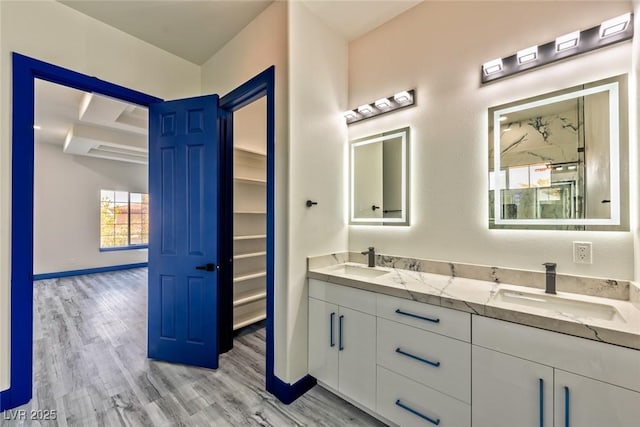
{"points": [[550, 265]]}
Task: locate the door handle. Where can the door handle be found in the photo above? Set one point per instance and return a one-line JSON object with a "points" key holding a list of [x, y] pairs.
{"points": [[208, 267]]}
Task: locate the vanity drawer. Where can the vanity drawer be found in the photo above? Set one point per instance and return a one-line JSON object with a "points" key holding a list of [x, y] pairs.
{"points": [[345, 296], [440, 320], [434, 360], [408, 403], [605, 362]]}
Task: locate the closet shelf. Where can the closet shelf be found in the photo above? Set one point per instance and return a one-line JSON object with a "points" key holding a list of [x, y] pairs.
{"points": [[249, 255], [249, 321], [249, 276], [250, 151], [250, 237], [249, 299], [246, 180], [250, 212]]}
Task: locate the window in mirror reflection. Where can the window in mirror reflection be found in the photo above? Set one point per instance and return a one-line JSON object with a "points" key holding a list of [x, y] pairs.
{"points": [[558, 158], [379, 179]]}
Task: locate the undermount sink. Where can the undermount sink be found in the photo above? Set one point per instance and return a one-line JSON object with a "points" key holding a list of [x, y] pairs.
{"points": [[557, 303], [356, 270]]}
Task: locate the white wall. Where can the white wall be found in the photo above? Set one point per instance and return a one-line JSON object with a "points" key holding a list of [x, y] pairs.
{"points": [[317, 97], [438, 48], [67, 209], [259, 45], [634, 140], [54, 33]]}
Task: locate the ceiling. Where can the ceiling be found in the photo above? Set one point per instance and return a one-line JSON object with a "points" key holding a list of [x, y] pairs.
{"points": [[193, 30], [196, 30], [91, 125]]}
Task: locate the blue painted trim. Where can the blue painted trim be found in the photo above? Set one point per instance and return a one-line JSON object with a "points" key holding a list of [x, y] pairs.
{"points": [[287, 393], [124, 248], [4, 398], [82, 272], [25, 71], [261, 85]]}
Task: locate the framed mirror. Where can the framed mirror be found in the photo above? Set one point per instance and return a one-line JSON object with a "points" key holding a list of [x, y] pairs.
{"points": [[379, 179], [561, 160]]}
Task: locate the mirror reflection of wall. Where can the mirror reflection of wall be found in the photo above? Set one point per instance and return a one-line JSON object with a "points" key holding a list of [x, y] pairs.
{"points": [[379, 179], [555, 160]]}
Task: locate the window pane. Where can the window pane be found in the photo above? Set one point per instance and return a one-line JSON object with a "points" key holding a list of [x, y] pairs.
{"points": [[124, 218], [136, 228], [122, 196]]}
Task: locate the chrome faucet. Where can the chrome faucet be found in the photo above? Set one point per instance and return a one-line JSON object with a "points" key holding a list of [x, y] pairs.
{"points": [[550, 287], [372, 256]]}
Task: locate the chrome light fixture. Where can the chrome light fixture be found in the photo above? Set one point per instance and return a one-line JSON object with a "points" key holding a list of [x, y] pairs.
{"points": [[395, 102], [527, 55], [611, 31], [568, 41], [492, 67], [615, 25]]}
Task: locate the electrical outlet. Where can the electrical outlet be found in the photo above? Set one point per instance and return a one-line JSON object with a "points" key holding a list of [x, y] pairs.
{"points": [[582, 253]]}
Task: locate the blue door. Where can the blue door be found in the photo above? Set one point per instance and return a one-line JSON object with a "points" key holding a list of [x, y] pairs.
{"points": [[183, 237]]}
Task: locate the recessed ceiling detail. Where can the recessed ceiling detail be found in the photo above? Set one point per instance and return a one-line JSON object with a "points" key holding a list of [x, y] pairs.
{"points": [[89, 124], [106, 143]]}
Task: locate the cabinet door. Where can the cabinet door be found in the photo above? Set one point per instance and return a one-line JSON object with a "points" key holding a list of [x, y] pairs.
{"points": [[323, 342], [582, 401], [507, 391], [357, 349]]}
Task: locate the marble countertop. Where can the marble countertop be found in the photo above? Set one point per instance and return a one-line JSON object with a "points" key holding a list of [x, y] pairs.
{"points": [[616, 321]]}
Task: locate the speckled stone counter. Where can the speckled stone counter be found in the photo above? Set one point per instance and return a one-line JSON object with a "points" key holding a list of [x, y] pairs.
{"points": [[477, 289]]}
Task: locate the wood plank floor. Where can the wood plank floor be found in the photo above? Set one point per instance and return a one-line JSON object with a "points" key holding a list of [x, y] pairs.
{"points": [[90, 366]]}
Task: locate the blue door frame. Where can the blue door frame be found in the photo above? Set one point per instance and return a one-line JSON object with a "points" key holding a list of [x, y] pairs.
{"points": [[261, 85], [25, 71]]}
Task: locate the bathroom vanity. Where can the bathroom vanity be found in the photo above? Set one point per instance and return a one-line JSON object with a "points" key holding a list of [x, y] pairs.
{"points": [[414, 345]]}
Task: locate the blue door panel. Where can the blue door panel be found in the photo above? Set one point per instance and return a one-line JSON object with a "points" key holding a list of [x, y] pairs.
{"points": [[167, 194], [196, 310], [168, 306], [195, 188], [183, 198]]}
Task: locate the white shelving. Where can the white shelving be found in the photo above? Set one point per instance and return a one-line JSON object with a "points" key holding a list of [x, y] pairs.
{"points": [[249, 200]]}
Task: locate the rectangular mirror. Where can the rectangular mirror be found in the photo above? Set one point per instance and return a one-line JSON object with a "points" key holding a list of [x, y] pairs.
{"points": [[561, 159], [379, 179]]}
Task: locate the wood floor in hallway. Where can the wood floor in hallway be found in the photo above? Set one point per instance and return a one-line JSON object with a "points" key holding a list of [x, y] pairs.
{"points": [[90, 366]]}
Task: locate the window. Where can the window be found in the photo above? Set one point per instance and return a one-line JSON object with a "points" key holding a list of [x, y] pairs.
{"points": [[124, 220]]}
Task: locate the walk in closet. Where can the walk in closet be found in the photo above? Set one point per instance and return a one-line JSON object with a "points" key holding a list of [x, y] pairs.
{"points": [[249, 214]]}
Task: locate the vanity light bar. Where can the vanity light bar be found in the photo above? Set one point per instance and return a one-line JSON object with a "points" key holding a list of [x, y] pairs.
{"points": [[381, 106], [611, 31]]}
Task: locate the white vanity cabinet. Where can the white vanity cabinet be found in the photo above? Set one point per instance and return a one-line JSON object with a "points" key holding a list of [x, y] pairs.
{"points": [[424, 363], [509, 391], [342, 340], [530, 377]]}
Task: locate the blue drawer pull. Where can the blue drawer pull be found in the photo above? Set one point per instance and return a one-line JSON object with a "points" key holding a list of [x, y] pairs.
{"points": [[414, 412], [340, 346], [566, 406], [331, 341], [417, 316], [418, 358], [541, 381]]}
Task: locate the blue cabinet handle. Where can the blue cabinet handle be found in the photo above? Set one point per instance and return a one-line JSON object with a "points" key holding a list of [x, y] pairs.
{"points": [[414, 412], [331, 341], [340, 346], [418, 358], [541, 381], [417, 316], [566, 406]]}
